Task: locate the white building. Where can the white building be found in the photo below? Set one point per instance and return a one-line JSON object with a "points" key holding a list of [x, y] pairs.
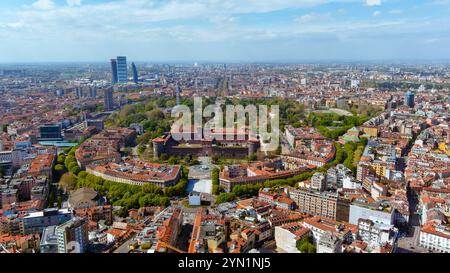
{"points": [[378, 190], [375, 234], [355, 83], [287, 236], [318, 182], [373, 211], [350, 183], [435, 236], [329, 243]]}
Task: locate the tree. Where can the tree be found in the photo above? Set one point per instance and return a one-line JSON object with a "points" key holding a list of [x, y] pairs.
{"points": [[61, 158], [82, 174], [306, 244], [163, 157], [68, 182], [225, 197], [75, 170], [59, 170], [141, 149], [215, 159], [146, 246], [72, 165], [252, 157], [173, 160], [215, 180]]}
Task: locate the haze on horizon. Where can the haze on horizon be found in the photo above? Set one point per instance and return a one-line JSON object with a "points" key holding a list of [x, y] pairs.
{"points": [[224, 30]]}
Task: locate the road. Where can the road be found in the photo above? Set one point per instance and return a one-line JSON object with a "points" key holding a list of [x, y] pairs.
{"points": [[410, 242], [124, 247]]}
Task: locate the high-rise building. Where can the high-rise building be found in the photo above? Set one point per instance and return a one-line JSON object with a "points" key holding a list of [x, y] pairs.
{"points": [[109, 100], [409, 99], [93, 92], [79, 92], [122, 69], [114, 78], [135, 73], [73, 236]]}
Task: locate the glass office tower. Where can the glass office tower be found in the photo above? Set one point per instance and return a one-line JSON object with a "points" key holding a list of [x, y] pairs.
{"points": [[122, 69]]}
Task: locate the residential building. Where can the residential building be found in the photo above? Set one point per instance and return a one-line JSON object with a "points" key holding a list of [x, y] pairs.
{"points": [[435, 236], [73, 236], [327, 204], [329, 243], [288, 235], [376, 234]]}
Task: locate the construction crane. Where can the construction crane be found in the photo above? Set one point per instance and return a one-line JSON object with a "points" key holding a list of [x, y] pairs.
{"points": [[166, 245]]}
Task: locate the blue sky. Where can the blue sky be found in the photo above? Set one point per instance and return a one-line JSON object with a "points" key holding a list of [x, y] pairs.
{"points": [[224, 30]]}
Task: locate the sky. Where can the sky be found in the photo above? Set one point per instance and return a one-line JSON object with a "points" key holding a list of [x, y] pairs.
{"points": [[224, 30]]}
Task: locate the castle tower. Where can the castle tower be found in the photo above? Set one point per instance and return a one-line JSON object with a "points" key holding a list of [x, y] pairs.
{"points": [[158, 148], [253, 146]]}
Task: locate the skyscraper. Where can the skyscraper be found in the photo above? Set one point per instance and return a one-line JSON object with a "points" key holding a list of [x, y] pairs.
{"points": [[79, 92], [122, 69], [135, 73], [114, 79], [109, 101], [409, 99], [93, 92], [72, 236]]}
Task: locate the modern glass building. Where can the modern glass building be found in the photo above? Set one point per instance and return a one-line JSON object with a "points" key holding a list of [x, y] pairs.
{"points": [[109, 100], [122, 69], [135, 73], [72, 236], [114, 79], [50, 132], [93, 92], [409, 99]]}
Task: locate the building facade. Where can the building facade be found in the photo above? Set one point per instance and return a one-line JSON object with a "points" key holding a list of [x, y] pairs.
{"points": [[122, 69], [73, 236]]}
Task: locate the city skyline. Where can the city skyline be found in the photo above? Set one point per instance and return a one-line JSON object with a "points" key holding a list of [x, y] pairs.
{"points": [[226, 31]]}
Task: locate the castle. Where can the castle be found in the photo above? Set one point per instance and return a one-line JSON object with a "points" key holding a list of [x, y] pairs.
{"points": [[219, 144]]}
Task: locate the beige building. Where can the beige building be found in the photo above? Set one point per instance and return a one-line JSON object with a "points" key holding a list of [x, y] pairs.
{"points": [[326, 204]]}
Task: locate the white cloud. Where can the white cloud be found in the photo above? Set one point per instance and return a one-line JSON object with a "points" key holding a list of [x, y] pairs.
{"points": [[396, 11], [376, 13], [73, 2], [373, 2], [310, 17], [43, 4], [431, 41]]}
